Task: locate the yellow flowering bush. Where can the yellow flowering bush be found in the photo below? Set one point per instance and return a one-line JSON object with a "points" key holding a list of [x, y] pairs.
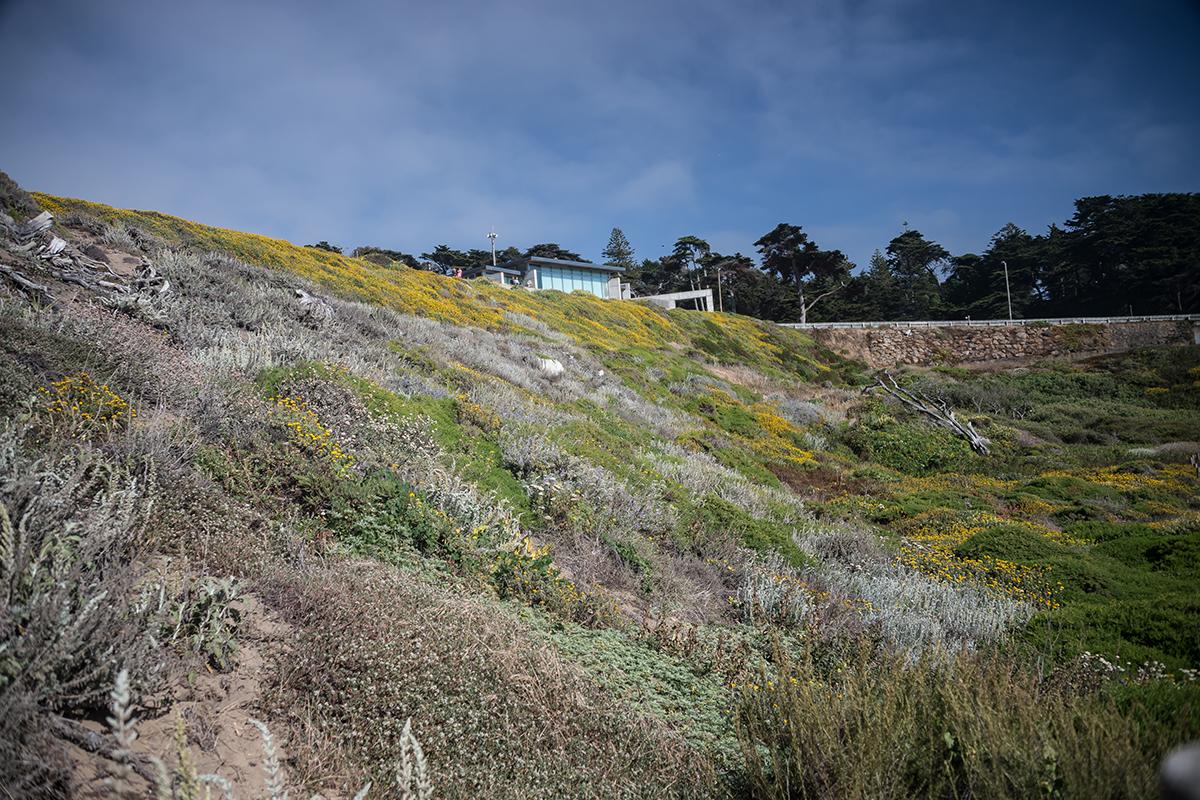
{"points": [[469, 412], [771, 422], [527, 571], [84, 406], [778, 443], [928, 547], [1172, 478], [1034, 506], [310, 434]]}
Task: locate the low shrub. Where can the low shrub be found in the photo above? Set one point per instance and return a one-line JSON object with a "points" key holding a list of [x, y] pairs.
{"points": [[876, 725], [909, 447], [383, 517], [1011, 541], [83, 407], [69, 525], [1104, 531], [499, 714], [386, 518], [527, 571], [693, 699], [205, 616], [715, 519]]}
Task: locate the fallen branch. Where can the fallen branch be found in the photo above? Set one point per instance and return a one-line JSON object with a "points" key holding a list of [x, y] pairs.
{"points": [[26, 285], [936, 410]]}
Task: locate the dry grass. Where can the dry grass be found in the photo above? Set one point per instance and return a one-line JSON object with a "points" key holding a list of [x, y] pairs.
{"points": [[867, 723], [497, 714]]}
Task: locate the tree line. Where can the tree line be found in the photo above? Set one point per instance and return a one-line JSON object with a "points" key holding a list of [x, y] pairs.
{"points": [[1115, 255]]}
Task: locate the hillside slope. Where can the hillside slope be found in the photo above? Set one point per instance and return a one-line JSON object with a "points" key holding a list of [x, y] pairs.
{"points": [[278, 483]]}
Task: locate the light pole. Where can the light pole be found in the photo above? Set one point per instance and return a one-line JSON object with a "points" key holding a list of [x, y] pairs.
{"points": [[1007, 293]]}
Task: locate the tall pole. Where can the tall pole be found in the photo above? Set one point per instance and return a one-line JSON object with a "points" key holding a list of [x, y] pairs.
{"points": [[720, 299], [1006, 290], [492, 236]]}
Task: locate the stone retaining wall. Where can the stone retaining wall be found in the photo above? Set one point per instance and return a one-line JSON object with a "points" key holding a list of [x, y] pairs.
{"points": [[885, 347]]}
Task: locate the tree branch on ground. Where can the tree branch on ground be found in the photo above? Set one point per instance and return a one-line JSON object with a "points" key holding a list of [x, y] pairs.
{"points": [[937, 410]]}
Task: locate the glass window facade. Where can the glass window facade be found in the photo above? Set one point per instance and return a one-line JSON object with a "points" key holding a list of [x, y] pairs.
{"points": [[572, 280]]}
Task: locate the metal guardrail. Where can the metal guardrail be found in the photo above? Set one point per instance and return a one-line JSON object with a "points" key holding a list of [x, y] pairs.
{"points": [[992, 323]]}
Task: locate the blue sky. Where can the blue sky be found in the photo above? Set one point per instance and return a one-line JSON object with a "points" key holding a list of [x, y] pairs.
{"points": [[405, 125]]}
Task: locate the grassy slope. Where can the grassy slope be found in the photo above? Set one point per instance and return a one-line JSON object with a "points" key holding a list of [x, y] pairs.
{"points": [[1101, 540], [605, 325], [1123, 595]]}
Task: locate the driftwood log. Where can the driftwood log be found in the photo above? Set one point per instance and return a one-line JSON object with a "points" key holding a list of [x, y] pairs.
{"points": [[936, 410]]}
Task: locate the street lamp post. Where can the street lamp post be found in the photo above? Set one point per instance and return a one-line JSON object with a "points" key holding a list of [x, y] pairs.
{"points": [[1007, 292]]}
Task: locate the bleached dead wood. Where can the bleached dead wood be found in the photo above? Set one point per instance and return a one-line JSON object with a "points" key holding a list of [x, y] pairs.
{"points": [[30, 229], [55, 247], [148, 280], [314, 306], [57, 258], [937, 410], [26, 285]]}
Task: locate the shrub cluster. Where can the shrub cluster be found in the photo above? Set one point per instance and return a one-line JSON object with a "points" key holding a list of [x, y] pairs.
{"points": [[871, 724]]}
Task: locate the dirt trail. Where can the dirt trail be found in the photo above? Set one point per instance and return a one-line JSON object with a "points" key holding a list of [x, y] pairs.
{"points": [[216, 709]]}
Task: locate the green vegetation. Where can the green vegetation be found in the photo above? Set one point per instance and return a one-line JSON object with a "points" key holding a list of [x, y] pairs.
{"points": [[699, 562], [907, 446], [972, 727], [1111, 527]]}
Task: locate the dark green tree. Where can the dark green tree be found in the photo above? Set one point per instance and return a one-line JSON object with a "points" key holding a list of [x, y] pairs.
{"points": [[975, 286], [552, 250], [326, 246], [881, 292], [1118, 254], [915, 262], [689, 254], [386, 258], [619, 251], [742, 287], [814, 274], [446, 260], [656, 276]]}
